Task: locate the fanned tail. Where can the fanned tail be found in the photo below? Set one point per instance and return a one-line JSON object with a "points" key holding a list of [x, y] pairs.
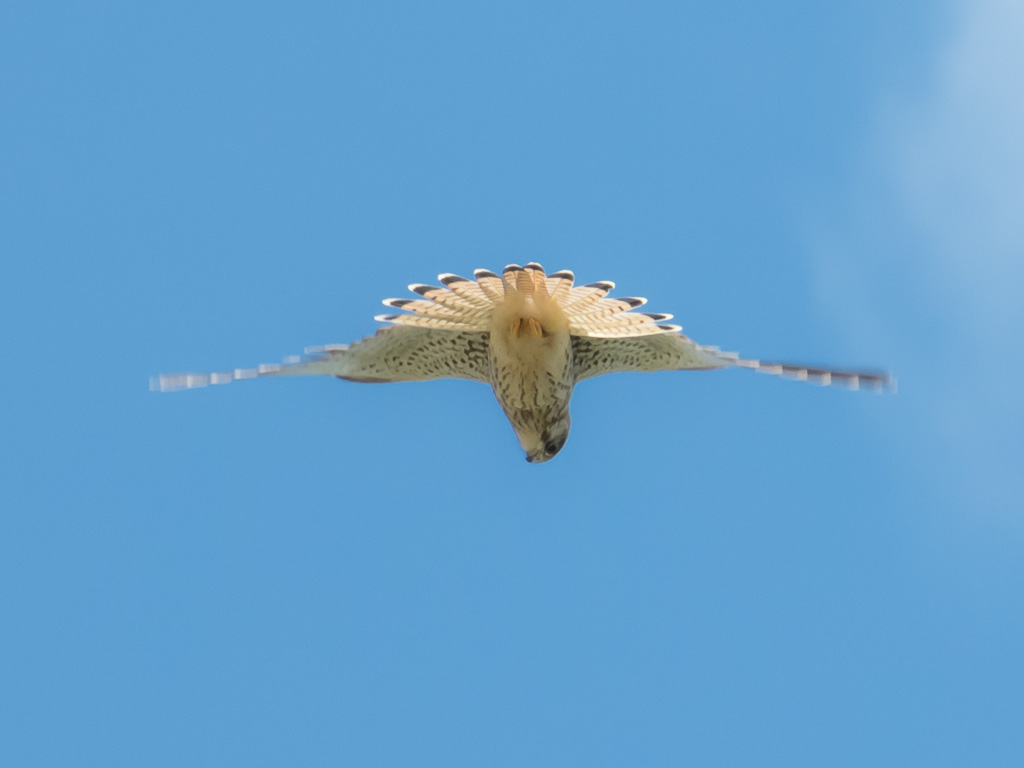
{"points": [[468, 305], [462, 305], [594, 314]]}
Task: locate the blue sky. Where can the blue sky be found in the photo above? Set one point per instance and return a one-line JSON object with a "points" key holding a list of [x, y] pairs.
{"points": [[719, 569]]}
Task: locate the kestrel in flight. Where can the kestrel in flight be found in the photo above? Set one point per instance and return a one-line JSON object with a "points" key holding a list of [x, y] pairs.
{"points": [[532, 337]]}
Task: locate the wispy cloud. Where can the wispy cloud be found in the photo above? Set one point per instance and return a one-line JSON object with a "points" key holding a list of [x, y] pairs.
{"points": [[927, 262], [962, 172]]}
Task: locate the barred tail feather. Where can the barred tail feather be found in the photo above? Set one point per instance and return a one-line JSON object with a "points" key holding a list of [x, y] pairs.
{"points": [[463, 305], [585, 295], [622, 327], [525, 283], [490, 284], [467, 290], [430, 314], [468, 305], [559, 285], [593, 314], [439, 322], [608, 307]]}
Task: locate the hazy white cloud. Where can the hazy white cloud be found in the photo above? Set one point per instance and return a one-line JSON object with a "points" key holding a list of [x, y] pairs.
{"points": [[960, 156], [927, 264]]}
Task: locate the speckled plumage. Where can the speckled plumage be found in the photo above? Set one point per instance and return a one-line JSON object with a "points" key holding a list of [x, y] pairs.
{"points": [[529, 335]]}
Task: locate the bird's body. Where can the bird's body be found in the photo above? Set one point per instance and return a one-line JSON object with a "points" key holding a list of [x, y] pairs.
{"points": [[531, 336], [532, 364]]}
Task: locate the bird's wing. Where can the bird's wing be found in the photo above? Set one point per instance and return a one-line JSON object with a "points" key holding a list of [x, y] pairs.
{"points": [[673, 352], [397, 353]]}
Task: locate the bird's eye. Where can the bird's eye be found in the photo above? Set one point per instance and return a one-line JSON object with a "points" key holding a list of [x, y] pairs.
{"points": [[551, 448]]}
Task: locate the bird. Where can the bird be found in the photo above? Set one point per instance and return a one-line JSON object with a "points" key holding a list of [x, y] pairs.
{"points": [[531, 336]]}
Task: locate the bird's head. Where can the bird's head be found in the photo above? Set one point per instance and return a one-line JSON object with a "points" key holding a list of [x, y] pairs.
{"points": [[542, 442]]}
